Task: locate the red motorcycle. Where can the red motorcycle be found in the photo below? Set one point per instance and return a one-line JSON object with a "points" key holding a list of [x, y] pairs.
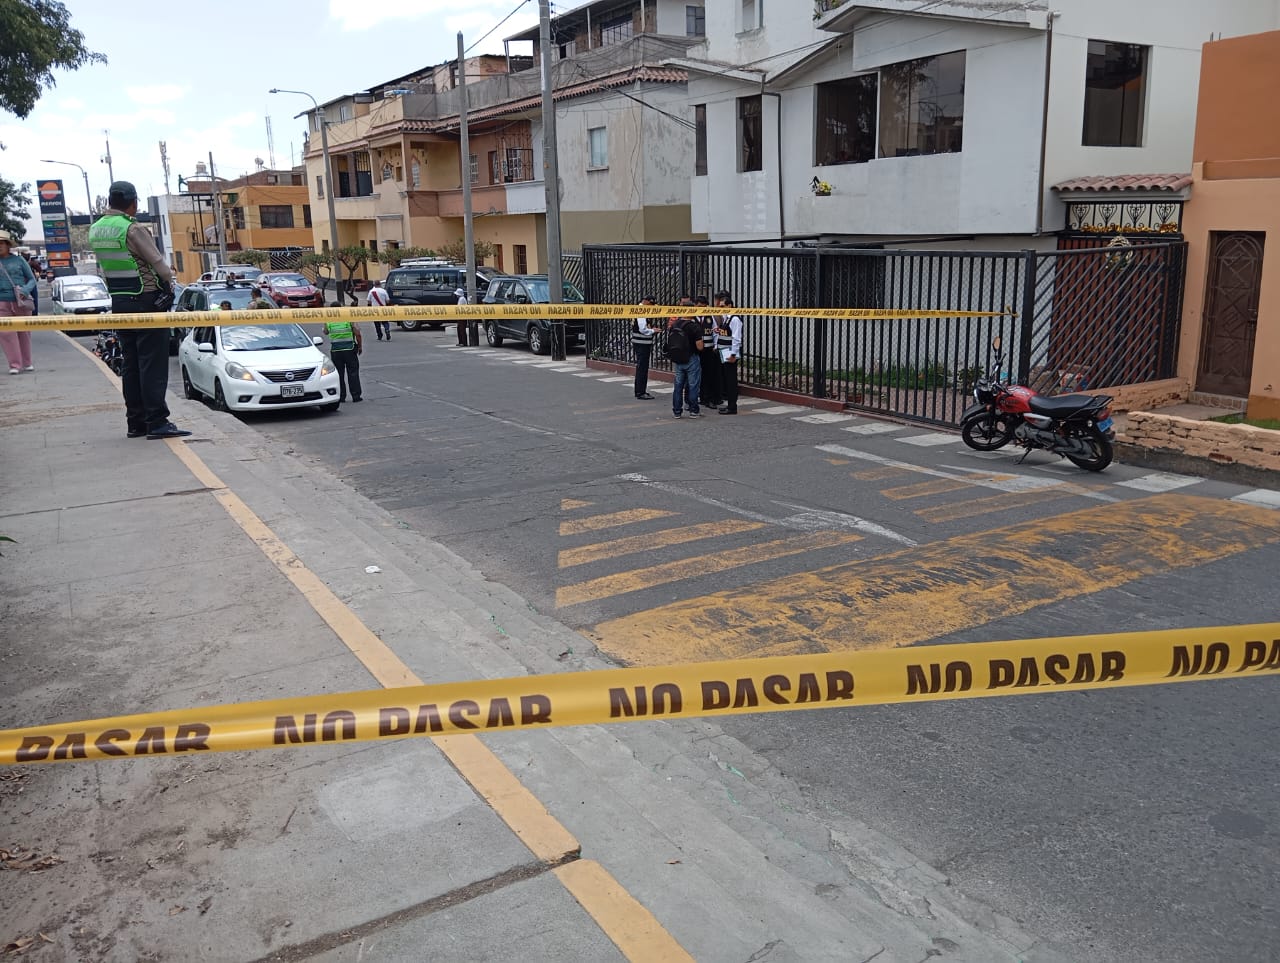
{"points": [[1076, 427]]}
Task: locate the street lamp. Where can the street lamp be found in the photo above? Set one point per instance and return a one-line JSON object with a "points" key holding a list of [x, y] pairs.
{"points": [[328, 173]]}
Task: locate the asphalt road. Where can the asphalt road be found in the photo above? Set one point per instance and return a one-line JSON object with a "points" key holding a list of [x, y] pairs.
{"points": [[1134, 824]]}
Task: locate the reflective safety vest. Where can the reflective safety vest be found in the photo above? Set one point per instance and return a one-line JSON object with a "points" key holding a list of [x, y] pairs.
{"points": [[342, 336], [641, 337], [108, 238]]}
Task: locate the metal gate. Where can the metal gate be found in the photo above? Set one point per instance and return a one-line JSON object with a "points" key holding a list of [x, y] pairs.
{"points": [[1067, 320]]}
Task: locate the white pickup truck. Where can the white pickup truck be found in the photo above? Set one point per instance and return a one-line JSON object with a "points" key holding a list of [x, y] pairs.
{"points": [[243, 272]]}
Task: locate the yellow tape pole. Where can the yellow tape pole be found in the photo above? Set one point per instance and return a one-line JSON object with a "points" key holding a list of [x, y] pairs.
{"points": [[921, 674], [446, 313]]}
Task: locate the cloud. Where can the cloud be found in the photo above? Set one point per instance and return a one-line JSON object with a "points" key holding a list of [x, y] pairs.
{"points": [[156, 94], [154, 117], [71, 103]]}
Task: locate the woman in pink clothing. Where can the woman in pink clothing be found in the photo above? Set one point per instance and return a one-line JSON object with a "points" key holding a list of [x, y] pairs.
{"points": [[15, 277]]}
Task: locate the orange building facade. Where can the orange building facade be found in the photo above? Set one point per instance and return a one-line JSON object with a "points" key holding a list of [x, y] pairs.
{"points": [[1230, 342]]}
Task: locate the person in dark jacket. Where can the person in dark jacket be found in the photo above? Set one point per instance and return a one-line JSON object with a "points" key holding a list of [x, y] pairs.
{"points": [[710, 389]]}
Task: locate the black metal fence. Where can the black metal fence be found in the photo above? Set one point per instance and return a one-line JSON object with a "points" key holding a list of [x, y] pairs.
{"points": [[1077, 319]]}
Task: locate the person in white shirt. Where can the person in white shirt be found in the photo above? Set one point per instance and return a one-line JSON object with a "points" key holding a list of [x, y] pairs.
{"points": [[642, 345], [378, 298], [461, 295]]}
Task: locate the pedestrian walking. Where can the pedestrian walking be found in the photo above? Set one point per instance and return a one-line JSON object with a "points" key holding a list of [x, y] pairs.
{"points": [[378, 299], [710, 357], [730, 340], [17, 287], [642, 346], [345, 348], [140, 282], [35, 292], [684, 348]]}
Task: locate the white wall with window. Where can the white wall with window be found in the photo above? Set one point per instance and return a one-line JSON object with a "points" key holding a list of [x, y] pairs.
{"points": [[928, 125]]}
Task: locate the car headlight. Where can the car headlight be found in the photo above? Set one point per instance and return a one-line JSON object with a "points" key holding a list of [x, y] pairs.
{"points": [[326, 367], [238, 371]]}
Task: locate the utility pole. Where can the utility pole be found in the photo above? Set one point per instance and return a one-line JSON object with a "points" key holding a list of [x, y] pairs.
{"points": [[468, 221], [551, 179], [106, 158], [217, 207]]}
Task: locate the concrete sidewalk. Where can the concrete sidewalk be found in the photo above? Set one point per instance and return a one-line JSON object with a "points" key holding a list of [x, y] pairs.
{"points": [[131, 588]]}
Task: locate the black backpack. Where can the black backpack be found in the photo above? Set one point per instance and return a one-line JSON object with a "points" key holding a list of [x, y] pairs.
{"points": [[679, 348]]}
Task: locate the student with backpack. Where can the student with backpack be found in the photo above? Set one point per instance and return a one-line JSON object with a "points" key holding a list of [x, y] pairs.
{"points": [[684, 345]]}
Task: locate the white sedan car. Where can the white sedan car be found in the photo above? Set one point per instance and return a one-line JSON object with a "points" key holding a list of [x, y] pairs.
{"points": [[257, 367]]}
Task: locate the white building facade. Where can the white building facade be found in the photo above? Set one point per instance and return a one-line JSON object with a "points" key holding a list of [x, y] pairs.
{"points": [[951, 118]]}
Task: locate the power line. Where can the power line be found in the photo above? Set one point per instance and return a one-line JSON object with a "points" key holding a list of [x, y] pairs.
{"points": [[496, 26]]}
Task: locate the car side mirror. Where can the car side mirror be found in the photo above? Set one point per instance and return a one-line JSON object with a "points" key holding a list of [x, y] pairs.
{"points": [[205, 347], [317, 341]]}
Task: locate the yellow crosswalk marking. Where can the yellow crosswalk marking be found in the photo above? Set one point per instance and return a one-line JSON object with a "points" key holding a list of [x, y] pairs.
{"points": [[612, 520], [879, 474], [959, 583], [643, 543], [641, 578], [937, 486], [569, 504], [955, 511]]}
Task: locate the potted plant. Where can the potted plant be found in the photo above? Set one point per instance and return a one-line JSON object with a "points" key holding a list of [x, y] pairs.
{"points": [[820, 188]]}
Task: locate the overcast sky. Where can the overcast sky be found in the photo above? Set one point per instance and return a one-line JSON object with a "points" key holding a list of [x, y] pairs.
{"points": [[197, 78]]}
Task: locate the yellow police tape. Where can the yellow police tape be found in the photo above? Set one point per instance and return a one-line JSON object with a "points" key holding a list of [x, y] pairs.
{"points": [[919, 674], [444, 313]]}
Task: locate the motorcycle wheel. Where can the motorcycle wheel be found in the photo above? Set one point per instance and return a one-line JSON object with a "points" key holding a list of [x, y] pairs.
{"points": [[986, 432], [1101, 458]]}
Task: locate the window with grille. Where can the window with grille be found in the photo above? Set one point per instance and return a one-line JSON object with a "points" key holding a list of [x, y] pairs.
{"points": [[597, 147], [415, 174], [750, 133], [521, 254], [276, 215], [617, 30], [306, 215], [473, 165], [845, 127], [1115, 89], [320, 187]]}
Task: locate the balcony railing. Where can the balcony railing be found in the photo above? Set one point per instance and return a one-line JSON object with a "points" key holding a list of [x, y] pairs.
{"points": [[207, 238]]}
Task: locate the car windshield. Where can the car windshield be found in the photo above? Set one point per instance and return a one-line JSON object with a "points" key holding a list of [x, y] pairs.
{"points": [[538, 288], [264, 337], [84, 291], [288, 282]]}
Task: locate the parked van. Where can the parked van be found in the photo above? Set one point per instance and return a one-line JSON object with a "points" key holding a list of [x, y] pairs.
{"points": [[430, 283], [80, 294]]}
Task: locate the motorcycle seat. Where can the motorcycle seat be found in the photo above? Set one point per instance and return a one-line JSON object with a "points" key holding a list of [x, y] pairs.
{"points": [[1060, 406]]}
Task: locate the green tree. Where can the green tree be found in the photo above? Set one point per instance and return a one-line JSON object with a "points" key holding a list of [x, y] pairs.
{"points": [[35, 37], [250, 256], [456, 251], [14, 202], [394, 255]]}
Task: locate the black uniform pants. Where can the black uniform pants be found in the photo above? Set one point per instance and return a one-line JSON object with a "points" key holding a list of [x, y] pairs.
{"points": [[729, 384], [145, 377], [712, 393], [643, 353], [348, 365]]}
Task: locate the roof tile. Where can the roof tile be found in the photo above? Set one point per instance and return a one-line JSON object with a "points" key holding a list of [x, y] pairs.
{"points": [[1126, 182]]}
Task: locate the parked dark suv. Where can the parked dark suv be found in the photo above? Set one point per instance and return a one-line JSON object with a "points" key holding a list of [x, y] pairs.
{"points": [[430, 284], [530, 289]]}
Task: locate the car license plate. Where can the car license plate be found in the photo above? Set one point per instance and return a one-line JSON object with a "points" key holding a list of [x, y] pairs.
{"points": [[292, 391], [1106, 425]]}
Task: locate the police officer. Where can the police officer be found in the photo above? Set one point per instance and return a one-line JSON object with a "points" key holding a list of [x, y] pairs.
{"points": [[345, 347], [140, 282], [730, 338], [711, 390], [642, 345]]}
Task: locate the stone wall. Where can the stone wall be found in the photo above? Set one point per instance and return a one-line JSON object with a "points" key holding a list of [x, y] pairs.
{"points": [[1151, 394], [1213, 440]]}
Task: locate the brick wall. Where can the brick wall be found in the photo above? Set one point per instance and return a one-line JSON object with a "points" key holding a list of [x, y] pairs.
{"points": [[1224, 444]]}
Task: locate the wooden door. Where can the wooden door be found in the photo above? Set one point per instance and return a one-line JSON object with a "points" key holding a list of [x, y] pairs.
{"points": [[1230, 312]]}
